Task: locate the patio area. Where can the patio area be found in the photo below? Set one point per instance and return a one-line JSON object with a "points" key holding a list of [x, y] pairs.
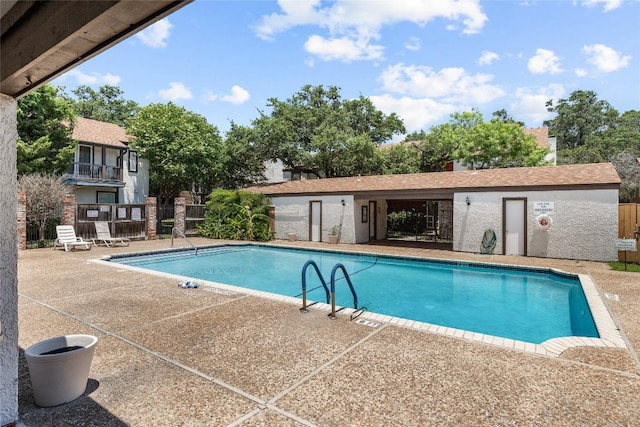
{"points": [[169, 356]]}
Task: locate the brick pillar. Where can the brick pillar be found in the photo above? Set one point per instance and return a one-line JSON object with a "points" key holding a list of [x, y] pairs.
{"points": [[179, 213], [69, 210], [151, 212], [22, 221]]}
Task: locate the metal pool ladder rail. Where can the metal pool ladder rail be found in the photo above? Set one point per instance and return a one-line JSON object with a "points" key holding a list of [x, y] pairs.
{"points": [[336, 267], [174, 229]]}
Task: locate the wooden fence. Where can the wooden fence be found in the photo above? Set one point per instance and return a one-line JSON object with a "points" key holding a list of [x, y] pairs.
{"points": [[628, 220], [124, 220]]}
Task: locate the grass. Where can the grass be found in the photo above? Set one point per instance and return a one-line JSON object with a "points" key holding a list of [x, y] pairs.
{"points": [[620, 266]]}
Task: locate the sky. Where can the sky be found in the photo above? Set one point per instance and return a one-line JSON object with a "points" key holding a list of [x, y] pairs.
{"points": [[420, 59]]}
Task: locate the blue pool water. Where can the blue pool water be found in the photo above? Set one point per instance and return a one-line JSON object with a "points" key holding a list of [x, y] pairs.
{"points": [[523, 304]]}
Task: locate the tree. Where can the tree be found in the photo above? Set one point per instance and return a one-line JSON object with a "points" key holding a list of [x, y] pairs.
{"points": [[578, 117], [496, 144], [504, 117], [181, 146], [401, 158], [45, 194], [315, 127], [106, 105], [45, 125], [242, 163], [628, 169]]}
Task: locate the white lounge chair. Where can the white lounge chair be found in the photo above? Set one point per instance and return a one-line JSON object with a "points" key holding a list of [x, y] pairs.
{"points": [[103, 234], [67, 238]]}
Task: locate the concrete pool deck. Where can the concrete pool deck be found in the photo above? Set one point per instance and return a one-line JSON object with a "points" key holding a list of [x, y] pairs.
{"points": [[172, 356]]}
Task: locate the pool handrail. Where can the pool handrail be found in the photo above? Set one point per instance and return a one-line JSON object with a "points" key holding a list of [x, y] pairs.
{"points": [[304, 283], [333, 289], [181, 233]]}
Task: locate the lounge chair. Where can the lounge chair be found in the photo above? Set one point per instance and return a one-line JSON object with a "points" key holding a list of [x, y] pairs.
{"points": [[67, 238], [103, 234]]}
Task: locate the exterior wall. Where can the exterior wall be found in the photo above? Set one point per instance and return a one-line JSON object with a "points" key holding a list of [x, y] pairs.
{"points": [[136, 184], [8, 262], [362, 228], [274, 172], [585, 223], [292, 216]]}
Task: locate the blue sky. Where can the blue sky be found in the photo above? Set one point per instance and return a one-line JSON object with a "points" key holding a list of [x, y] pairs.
{"points": [[422, 60]]}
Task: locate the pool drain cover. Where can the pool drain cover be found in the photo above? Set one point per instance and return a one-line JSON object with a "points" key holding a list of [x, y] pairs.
{"points": [[612, 297], [367, 323]]}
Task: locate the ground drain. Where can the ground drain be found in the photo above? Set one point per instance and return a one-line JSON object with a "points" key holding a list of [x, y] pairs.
{"points": [[612, 297], [367, 323]]}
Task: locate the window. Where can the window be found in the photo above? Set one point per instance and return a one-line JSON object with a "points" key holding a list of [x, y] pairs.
{"points": [[133, 161], [106, 197]]}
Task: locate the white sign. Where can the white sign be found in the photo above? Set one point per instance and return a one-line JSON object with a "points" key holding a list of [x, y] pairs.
{"points": [[540, 208], [122, 212], [136, 214], [105, 208], [626, 244], [92, 213]]}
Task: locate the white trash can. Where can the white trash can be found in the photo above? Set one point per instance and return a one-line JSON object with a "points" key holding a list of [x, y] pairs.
{"points": [[59, 368]]}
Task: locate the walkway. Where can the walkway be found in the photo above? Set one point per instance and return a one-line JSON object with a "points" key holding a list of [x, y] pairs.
{"points": [[169, 356]]}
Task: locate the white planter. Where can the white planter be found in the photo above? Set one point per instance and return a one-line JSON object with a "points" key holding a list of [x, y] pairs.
{"points": [[333, 239], [61, 375]]}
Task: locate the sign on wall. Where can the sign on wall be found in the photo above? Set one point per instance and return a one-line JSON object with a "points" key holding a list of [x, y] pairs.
{"points": [[540, 208], [626, 244]]}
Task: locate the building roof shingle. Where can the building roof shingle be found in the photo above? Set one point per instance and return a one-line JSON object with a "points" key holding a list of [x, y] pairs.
{"points": [[97, 132], [602, 175]]}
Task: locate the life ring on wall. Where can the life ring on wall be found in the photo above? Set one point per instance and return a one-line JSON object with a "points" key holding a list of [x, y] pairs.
{"points": [[544, 221]]}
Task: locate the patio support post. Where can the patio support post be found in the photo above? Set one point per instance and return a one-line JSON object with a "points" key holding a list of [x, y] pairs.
{"points": [[151, 212], [8, 261]]}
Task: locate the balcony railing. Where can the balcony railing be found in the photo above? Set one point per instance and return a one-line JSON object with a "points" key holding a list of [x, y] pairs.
{"points": [[94, 172]]}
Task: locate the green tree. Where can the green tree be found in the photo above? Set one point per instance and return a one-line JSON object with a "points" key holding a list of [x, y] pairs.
{"points": [[498, 144], [181, 146], [241, 161], [578, 117], [315, 127], [404, 157], [106, 105], [45, 125]]}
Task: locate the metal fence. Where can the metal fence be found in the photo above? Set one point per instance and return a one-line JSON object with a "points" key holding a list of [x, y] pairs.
{"points": [[165, 220]]}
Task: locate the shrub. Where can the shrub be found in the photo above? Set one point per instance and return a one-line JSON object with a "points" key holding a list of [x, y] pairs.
{"points": [[237, 215]]}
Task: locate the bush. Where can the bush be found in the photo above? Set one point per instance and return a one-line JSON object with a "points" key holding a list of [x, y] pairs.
{"points": [[237, 215]]}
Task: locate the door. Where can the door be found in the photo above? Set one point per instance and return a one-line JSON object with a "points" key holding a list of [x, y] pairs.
{"points": [[315, 221], [372, 221], [514, 226]]}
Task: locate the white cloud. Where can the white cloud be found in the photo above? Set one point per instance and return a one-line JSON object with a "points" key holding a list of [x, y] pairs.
{"points": [[413, 44], [344, 49], [544, 62], [157, 34], [488, 57], [604, 58], [351, 25], [238, 96], [417, 114], [529, 106], [581, 72], [176, 91], [452, 85], [94, 78], [609, 5]]}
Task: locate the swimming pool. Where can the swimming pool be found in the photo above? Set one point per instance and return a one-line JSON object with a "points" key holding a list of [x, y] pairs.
{"points": [[526, 304]]}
